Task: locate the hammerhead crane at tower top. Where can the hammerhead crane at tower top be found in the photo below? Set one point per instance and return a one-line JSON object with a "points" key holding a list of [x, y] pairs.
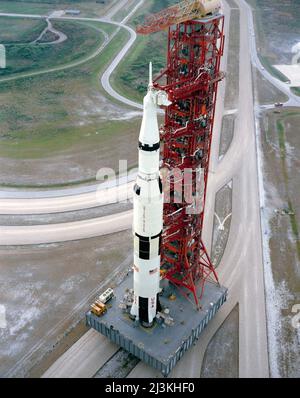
{"points": [[191, 77], [187, 10], [152, 321]]}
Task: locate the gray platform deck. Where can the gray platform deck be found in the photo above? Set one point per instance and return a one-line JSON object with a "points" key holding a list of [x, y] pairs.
{"points": [[160, 347]]}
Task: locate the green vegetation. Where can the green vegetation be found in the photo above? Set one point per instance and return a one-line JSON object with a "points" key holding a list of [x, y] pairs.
{"points": [[294, 226], [131, 77], [63, 116], [265, 92], [88, 8], [107, 28], [48, 37], [124, 11], [53, 96], [275, 72], [282, 207], [281, 137], [28, 144], [277, 25], [281, 130], [296, 90], [30, 57], [20, 30]]}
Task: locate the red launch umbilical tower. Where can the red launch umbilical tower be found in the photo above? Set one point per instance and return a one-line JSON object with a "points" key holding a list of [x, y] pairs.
{"points": [[195, 48]]}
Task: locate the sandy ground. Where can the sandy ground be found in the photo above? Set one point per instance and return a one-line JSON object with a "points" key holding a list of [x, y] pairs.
{"points": [[46, 289], [282, 215]]}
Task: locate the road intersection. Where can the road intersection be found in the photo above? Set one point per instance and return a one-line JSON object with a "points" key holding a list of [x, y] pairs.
{"points": [[241, 268]]}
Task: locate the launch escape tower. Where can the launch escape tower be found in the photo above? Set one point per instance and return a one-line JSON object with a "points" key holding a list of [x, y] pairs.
{"points": [[195, 47]]}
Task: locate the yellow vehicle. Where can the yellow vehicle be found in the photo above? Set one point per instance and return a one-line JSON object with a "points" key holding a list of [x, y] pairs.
{"points": [[98, 308]]}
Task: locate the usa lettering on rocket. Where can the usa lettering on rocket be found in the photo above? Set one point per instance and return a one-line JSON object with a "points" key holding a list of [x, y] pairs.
{"points": [[148, 212]]}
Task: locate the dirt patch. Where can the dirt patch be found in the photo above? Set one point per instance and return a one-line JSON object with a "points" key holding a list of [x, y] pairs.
{"points": [[221, 358], [46, 291], [232, 71], [222, 222], [281, 151], [227, 133], [119, 366]]}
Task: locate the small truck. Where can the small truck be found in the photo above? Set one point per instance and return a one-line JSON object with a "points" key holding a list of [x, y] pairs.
{"points": [[98, 308], [106, 296]]}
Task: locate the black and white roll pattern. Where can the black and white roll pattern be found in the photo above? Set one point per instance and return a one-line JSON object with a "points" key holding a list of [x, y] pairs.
{"points": [[147, 217]]}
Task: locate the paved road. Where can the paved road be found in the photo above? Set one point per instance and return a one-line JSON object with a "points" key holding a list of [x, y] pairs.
{"points": [[241, 268], [99, 50], [64, 232], [49, 28], [72, 364], [105, 79], [294, 100], [60, 204]]}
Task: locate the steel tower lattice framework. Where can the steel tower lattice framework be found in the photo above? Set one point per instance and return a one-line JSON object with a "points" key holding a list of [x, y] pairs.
{"points": [[191, 79]]}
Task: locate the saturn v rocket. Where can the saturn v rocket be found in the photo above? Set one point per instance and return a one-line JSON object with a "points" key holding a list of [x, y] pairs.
{"points": [[148, 212]]}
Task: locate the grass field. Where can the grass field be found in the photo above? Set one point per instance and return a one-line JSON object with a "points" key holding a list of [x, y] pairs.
{"points": [[265, 92], [124, 11], [54, 96], [278, 28], [59, 122], [20, 30], [88, 8], [25, 56], [296, 90], [131, 77]]}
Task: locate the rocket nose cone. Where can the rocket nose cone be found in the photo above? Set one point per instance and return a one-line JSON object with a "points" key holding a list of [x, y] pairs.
{"points": [[149, 133], [149, 101]]}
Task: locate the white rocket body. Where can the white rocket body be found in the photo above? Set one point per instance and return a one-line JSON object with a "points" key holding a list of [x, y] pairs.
{"points": [[148, 213]]}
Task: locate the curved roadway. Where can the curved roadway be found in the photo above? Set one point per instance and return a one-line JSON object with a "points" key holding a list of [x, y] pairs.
{"points": [[241, 269], [49, 28], [107, 40]]}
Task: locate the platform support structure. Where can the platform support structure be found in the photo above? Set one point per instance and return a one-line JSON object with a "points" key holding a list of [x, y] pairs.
{"points": [[191, 80]]}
